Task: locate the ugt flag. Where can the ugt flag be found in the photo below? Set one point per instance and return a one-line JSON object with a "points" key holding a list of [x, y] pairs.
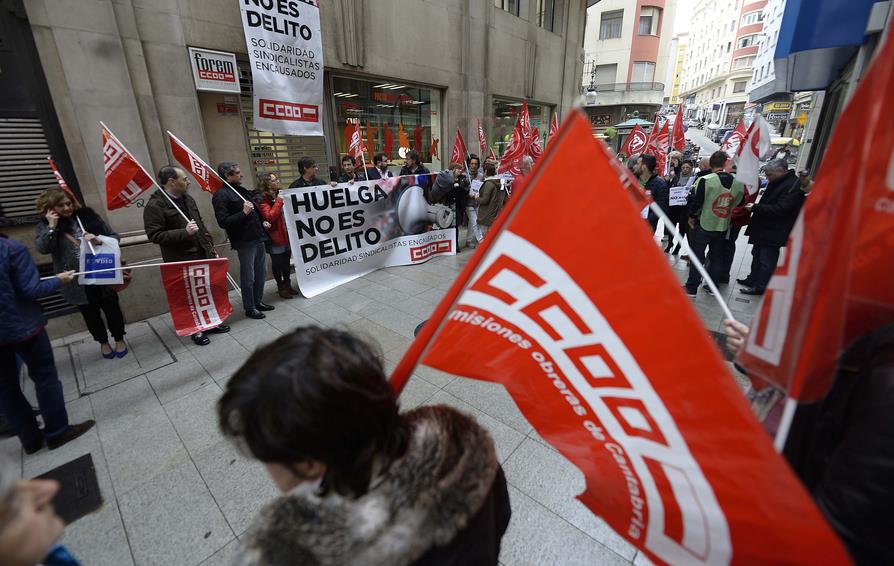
{"points": [[459, 152], [205, 176], [636, 142], [834, 280], [673, 457], [197, 294], [126, 179]]}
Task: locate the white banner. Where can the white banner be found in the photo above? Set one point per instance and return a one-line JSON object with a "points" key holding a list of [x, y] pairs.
{"points": [[344, 232], [286, 55]]}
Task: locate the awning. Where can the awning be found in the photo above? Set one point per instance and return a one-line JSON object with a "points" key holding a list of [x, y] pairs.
{"points": [[818, 39]]}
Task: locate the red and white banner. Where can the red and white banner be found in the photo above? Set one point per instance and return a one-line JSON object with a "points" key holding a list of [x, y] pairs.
{"points": [[678, 139], [459, 152], [197, 294], [673, 457], [126, 180], [205, 176], [834, 279], [753, 147], [732, 143], [636, 142], [285, 50], [59, 179]]}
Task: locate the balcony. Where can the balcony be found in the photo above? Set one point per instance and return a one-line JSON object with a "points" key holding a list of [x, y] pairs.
{"points": [[608, 94]]}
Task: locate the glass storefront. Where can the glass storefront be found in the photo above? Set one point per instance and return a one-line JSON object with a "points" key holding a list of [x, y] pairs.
{"points": [[393, 117], [504, 114]]}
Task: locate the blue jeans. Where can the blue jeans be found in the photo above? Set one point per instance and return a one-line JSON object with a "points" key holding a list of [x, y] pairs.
{"points": [[37, 354], [252, 273]]}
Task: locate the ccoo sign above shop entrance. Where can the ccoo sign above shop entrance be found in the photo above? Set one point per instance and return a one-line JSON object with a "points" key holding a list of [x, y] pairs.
{"points": [[214, 71]]}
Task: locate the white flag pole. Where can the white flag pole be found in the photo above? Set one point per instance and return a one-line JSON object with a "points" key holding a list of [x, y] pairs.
{"points": [[785, 424], [89, 243], [213, 172], [151, 178]]}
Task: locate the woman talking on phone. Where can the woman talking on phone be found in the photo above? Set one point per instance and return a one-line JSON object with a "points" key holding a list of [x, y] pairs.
{"points": [[63, 224]]}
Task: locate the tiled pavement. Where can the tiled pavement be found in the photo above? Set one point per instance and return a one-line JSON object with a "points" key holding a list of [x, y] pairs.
{"points": [[176, 492]]}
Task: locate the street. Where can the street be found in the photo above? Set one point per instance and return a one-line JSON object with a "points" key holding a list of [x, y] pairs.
{"points": [[699, 138]]}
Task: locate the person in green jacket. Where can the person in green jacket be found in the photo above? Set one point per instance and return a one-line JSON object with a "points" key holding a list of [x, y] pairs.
{"points": [[491, 198], [710, 214]]}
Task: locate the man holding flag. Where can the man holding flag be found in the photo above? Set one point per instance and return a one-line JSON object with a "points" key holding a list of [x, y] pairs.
{"points": [[165, 221]]}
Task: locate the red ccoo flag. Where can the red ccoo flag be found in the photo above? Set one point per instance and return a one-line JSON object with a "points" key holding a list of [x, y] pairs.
{"points": [[678, 140], [486, 152], [657, 145], [62, 184], [636, 142], [197, 294], [459, 152], [126, 179], [833, 283], [205, 176], [673, 457], [357, 148]]}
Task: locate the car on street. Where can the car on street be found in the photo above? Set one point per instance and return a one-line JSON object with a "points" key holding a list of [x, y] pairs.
{"points": [[720, 134]]}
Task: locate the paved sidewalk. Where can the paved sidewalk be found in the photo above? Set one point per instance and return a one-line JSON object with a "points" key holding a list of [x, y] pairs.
{"points": [[177, 493]]}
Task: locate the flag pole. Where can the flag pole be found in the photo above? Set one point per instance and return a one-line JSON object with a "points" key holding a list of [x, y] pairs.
{"points": [[222, 180], [693, 260], [89, 243], [785, 424]]}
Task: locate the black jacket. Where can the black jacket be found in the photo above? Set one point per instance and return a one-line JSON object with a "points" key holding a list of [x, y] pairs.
{"points": [[166, 227], [842, 449], [660, 194], [774, 215], [373, 173], [242, 229], [300, 183], [423, 178]]}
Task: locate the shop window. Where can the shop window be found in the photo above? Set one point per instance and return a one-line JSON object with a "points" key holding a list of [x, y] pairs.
{"points": [[648, 20], [500, 126], [393, 117], [610, 24], [546, 11], [511, 6], [739, 86]]}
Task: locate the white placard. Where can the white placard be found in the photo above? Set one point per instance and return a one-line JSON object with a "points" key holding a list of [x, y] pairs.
{"points": [[679, 196], [475, 188], [214, 71], [286, 55]]}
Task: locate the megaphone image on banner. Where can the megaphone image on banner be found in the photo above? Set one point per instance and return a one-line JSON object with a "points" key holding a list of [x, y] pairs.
{"points": [[415, 214]]}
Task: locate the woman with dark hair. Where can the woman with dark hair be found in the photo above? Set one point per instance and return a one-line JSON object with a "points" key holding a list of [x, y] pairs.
{"points": [[362, 483], [278, 247], [63, 224]]}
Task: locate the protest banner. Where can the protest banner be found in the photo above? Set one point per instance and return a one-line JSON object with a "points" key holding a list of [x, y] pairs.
{"points": [[340, 233], [197, 294], [673, 457], [286, 55], [679, 195]]}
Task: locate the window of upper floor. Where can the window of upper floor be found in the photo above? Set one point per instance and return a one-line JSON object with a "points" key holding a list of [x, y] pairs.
{"points": [[752, 18], [649, 18], [511, 6], [610, 24], [747, 41]]}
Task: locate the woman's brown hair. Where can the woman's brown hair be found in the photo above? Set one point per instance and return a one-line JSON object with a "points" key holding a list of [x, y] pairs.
{"points": [[265, 185], [51, 198]]}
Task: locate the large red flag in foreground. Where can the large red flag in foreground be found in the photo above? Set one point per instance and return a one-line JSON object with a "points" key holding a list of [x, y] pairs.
{"points": [[205, 176], [636, 141], [678, 139], [197, 294], [459, 152], [834, 281], [126, 180], [673, 457]]}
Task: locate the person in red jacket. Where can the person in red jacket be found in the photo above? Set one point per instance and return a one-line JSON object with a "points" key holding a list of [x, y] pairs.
{"points": [[278, 248]]}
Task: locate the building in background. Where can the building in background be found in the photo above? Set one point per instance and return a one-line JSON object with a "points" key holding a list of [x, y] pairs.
{"points": [[674, 88], [425, 67], [627, 51], [723, 48]]}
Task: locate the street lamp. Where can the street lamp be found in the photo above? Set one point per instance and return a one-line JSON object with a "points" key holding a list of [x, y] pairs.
{"points": [[591, 96]]}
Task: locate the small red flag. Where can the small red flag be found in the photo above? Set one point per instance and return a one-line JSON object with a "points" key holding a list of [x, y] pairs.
{"points": [[357, 148], [459, 152], [62, 184], [486, 151], [678, 140], [636, 142], [126, 179], [197, 294], [553, 128], [834, 279], [205, 176], [389, 141], [673, 457]]}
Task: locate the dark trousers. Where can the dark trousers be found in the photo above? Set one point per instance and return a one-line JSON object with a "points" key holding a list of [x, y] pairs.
{"points": [[679, 216], [37, 354], [763, 264], [252, 273], [699, 241], [728, 254], [102, 301], [279, 264]]}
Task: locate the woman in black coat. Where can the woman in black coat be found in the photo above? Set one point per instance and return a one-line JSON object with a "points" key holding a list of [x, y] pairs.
{"points": [[59, 233]]}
